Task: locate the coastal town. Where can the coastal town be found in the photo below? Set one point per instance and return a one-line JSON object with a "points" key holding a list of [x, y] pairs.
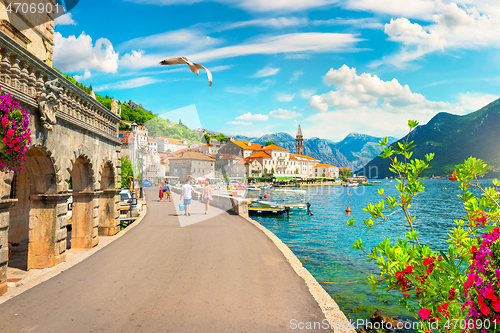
{"points": [[166, 157], [322, 181]]}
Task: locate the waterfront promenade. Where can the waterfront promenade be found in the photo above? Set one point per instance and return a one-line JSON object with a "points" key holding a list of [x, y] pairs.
{"points": [[219, 275]]}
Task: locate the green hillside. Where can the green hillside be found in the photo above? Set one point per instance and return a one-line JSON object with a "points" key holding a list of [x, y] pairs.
{"points": [[453, 139], [156, 125]]}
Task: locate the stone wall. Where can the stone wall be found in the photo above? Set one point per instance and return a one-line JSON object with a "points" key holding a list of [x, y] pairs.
{"points": [[34, 31], [83, 139]]}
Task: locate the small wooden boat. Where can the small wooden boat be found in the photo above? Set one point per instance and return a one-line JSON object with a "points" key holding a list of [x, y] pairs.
{"points": [[376, 182], [260, 211], [292, 207]]}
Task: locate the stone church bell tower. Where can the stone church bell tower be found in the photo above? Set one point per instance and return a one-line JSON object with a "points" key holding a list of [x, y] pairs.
{"points": [[299, 142]]}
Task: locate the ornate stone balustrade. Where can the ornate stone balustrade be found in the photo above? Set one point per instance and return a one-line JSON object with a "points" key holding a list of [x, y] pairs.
{"points": [[24, 75]]}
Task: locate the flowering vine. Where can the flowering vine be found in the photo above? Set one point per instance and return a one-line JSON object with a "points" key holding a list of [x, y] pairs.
{"points": [[14, 123]]}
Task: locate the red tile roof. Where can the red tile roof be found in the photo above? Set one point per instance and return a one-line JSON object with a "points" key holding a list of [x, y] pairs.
{"points": [[192, 156], [247, 145], [321, 165], [344, 169], [259, 154], [274, 147]]}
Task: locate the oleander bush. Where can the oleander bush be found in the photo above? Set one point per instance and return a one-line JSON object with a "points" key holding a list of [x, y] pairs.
{"points": [[15, 134], [456, 290]]}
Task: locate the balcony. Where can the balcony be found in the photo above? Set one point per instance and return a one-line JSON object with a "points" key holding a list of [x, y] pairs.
{"points": [[24, 75]]}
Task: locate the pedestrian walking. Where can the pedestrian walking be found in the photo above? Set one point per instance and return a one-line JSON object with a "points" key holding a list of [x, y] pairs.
{"points": [[207, 196], [160, 194], [187, 195], [167, 192]]}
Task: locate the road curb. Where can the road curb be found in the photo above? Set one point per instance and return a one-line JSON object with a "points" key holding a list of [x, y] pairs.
{"points": [[331, 310], [48, 273]]}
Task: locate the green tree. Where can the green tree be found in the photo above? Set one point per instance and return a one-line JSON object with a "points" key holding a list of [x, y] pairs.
{"points": [[268, 143], [126, 171]]}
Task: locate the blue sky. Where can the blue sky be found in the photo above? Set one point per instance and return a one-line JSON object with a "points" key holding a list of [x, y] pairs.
{"points": [[333, 66]]}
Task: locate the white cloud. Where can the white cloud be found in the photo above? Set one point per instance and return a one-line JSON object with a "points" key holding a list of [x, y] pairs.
{"points": [[189, 40], [307, 93], [363, 92], [453, 28], [284, 97], [220, 68], [250, 116], [422, 9], [475, 101], [83, 77], [274, 22], [239, 123], [296, 76], [252, 5], [74, 54], [367, 104], [288, 43], [266, 71], [363, 23], [284, 114], [65, 19], [127, 84]]}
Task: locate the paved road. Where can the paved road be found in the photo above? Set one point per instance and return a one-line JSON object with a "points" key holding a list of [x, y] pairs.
{"points": [[220, 275]]}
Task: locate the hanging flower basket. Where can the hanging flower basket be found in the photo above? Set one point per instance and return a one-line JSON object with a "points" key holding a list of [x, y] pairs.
{"points": [[14, 134]]}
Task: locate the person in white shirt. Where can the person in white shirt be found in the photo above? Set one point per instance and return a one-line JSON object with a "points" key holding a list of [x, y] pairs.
{"points": [[187, 195]]}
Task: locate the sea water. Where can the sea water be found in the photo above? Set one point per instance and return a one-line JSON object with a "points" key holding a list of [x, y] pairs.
{"points": [[323, 241]]}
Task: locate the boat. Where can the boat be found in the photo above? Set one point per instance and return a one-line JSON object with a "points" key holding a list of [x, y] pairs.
{"points": [[266, 187], [294, 191], [260, 211], [292, 207], [253, 188], [351, 185], [376, 182]]}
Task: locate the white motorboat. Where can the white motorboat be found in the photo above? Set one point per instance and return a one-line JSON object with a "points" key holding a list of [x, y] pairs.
{"points": [[293, 191], [253, 188]]}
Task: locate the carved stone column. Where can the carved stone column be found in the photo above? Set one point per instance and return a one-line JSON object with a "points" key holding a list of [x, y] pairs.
{"points": [[5, 206], [44, 234], [108, 220]]}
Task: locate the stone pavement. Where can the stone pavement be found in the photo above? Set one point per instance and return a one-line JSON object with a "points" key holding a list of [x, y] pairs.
{"points": [[219, 275]]}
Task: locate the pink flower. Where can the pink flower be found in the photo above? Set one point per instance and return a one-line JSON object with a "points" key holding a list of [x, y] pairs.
{"points": [[424, 313]]}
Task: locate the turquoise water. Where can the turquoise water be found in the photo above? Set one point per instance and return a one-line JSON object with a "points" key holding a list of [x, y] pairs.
{"points": [[323, 241]]}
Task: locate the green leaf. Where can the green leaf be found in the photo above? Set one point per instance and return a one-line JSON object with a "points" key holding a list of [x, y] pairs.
{"points": [[412, 123]]}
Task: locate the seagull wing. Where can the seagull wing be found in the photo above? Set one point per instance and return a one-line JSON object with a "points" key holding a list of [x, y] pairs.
{"points": [[209, 74]]}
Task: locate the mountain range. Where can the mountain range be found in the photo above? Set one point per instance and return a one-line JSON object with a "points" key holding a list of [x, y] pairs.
{"points": [[354, 151], [453, 139]]}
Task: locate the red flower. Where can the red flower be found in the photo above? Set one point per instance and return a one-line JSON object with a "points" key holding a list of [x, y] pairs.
{"points": [[453, 177], [485, 310], [445, 306], [473, 249], [439, 309], [408, 270], [5, 122], [424, 313], [10, 132], [406, 295], [426, 261], [439, 258]]}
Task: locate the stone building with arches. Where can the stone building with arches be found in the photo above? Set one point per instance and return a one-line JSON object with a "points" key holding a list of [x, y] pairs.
{"points": [[74, 152]]}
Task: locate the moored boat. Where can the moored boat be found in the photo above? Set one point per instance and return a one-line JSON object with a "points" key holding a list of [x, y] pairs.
{"points": [[260, 211], [253, 188]]}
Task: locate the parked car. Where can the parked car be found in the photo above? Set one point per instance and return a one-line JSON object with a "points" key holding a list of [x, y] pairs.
{"points": [[125, 198]]}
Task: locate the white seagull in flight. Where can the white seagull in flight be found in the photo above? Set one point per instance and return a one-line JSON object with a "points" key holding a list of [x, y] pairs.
{"points": [[194, 67]]}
